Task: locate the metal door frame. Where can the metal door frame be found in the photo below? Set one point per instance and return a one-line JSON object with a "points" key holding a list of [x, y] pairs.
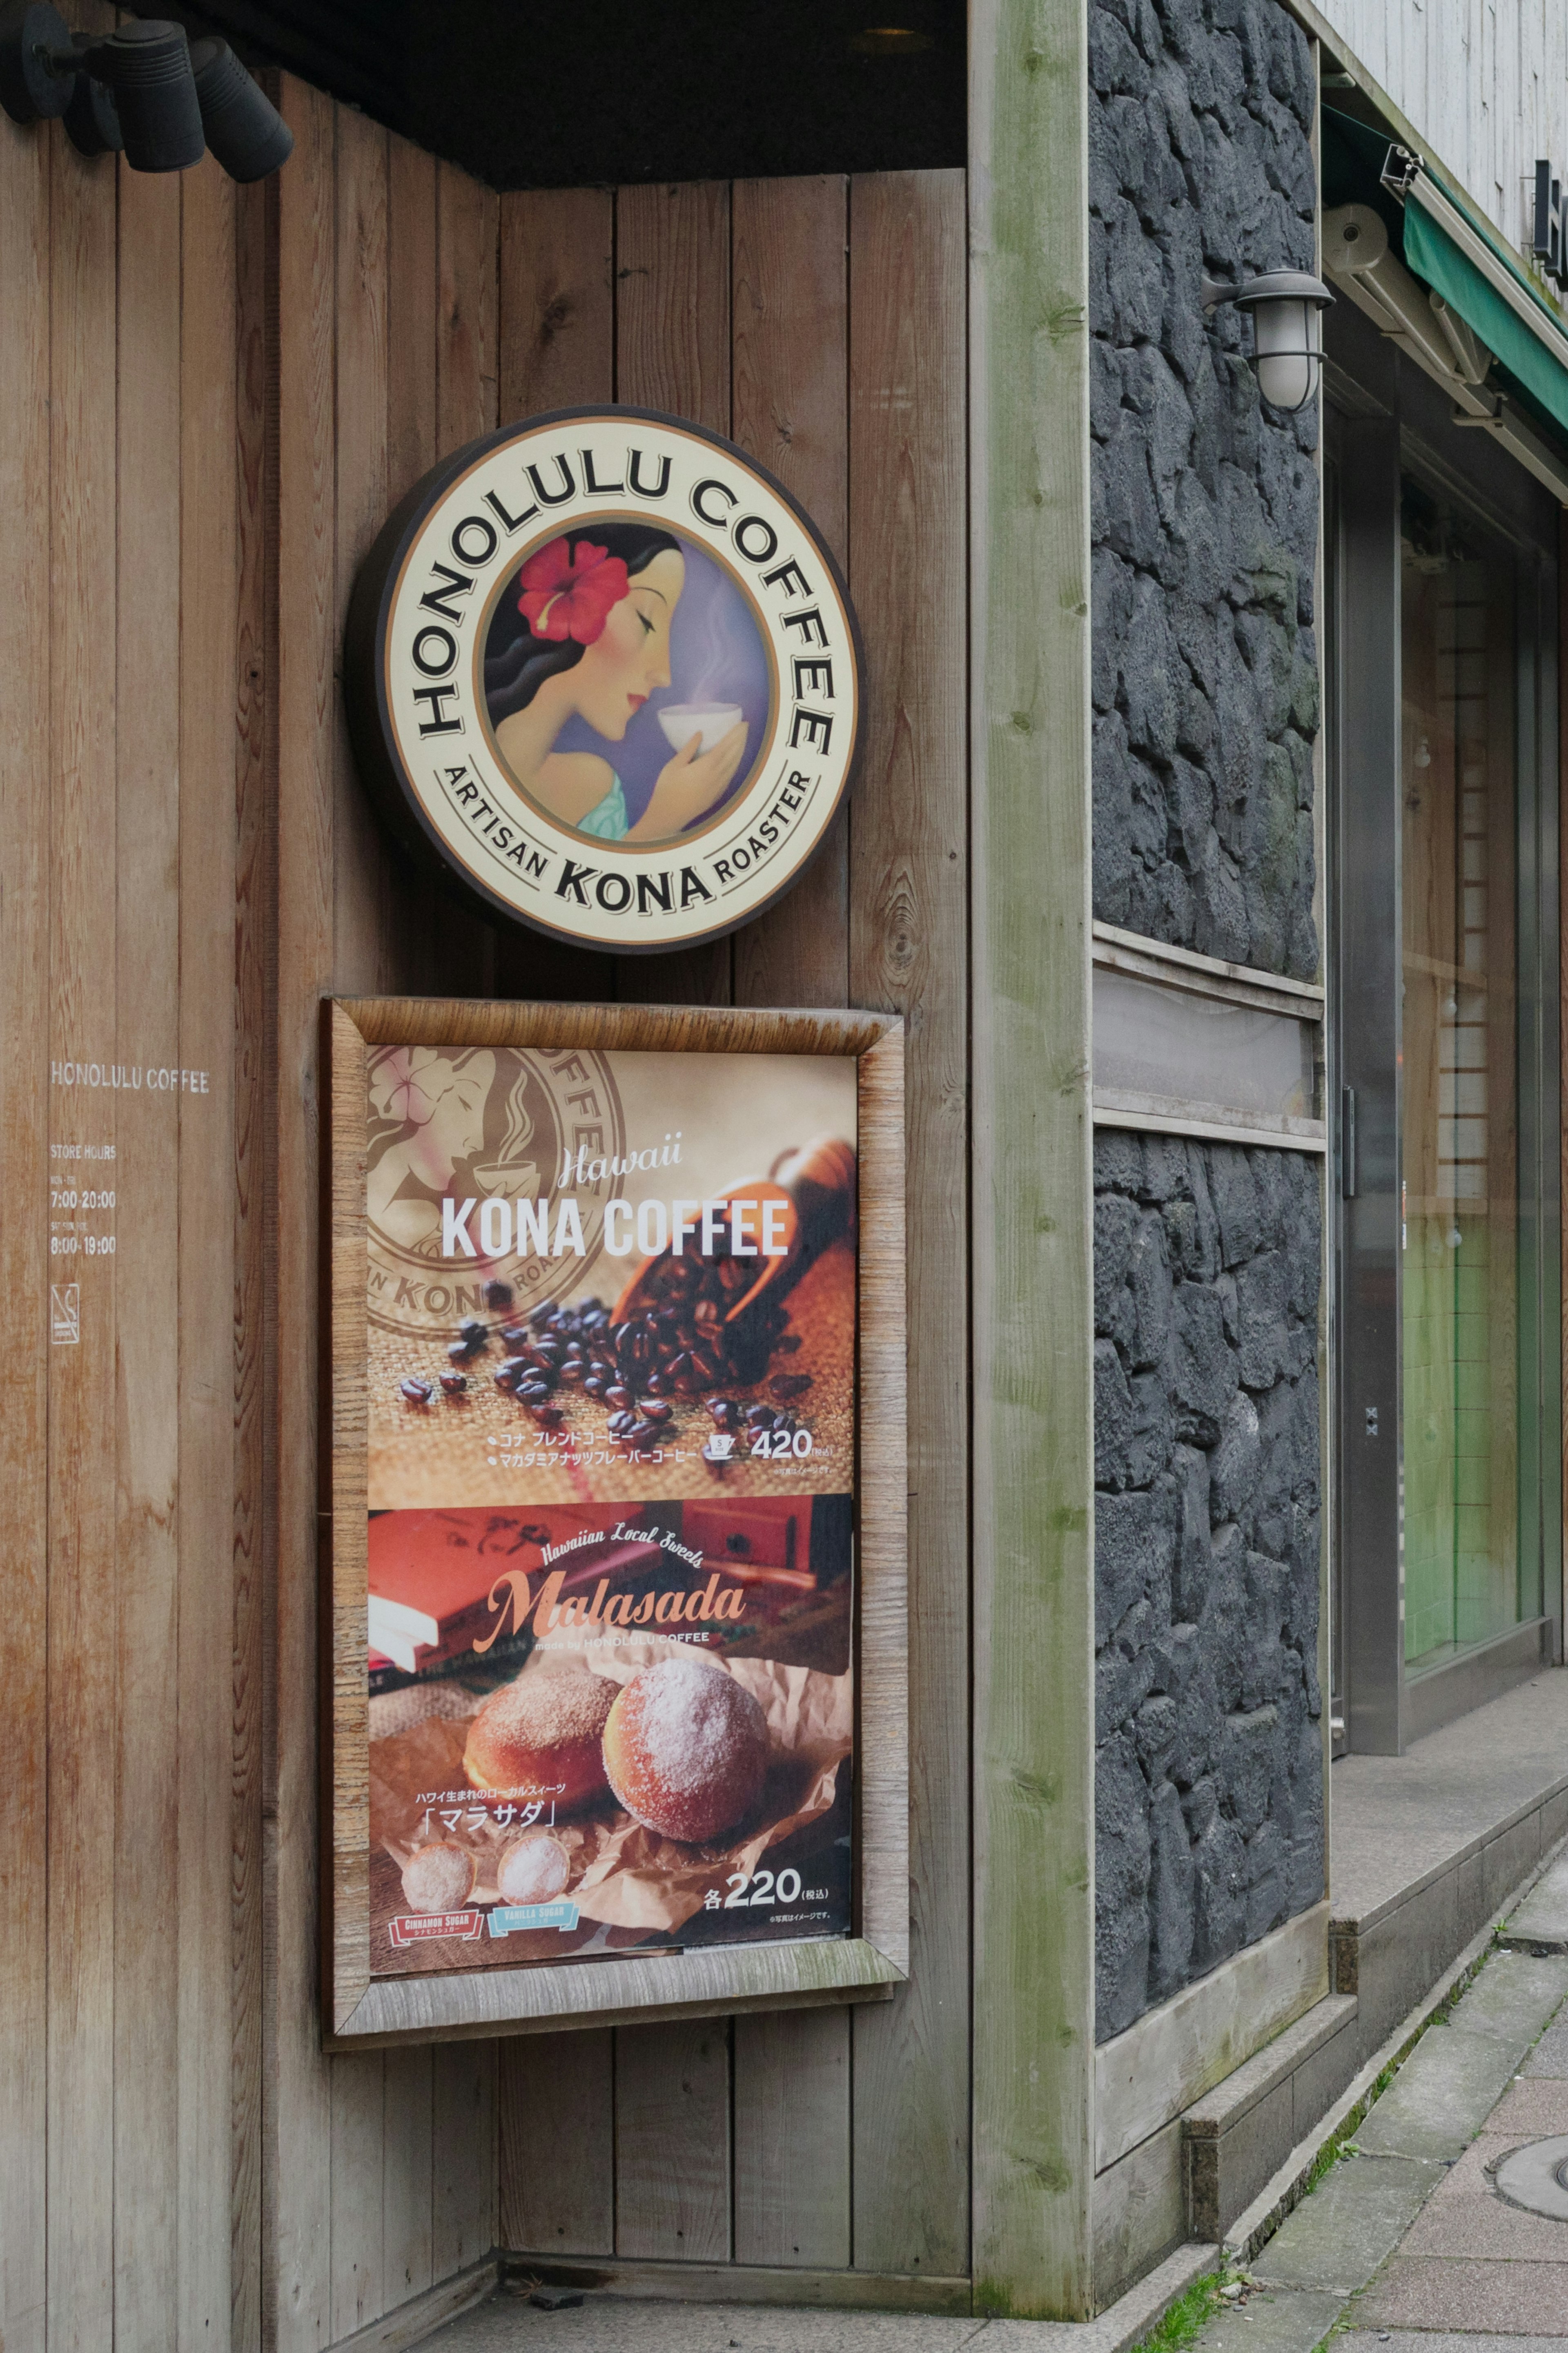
{"points": [[1383, 1707]]}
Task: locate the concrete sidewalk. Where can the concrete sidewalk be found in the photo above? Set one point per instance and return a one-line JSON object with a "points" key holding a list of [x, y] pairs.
{"points": [[507, 2323], [1407, 2243], [1404, 2243]]}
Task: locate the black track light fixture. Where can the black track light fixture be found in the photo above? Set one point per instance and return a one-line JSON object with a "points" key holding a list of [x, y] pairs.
{"points": [[142, 88], [244, 129]]}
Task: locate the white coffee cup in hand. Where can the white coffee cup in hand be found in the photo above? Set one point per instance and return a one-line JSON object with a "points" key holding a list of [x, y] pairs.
{"points": [[710, 721]]}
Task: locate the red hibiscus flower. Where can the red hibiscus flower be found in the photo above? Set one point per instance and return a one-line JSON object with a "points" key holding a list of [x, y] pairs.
{"points": [[568, 593]]}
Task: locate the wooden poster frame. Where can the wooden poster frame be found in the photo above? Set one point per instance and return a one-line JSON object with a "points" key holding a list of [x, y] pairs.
{"points": [[360, 2012]]}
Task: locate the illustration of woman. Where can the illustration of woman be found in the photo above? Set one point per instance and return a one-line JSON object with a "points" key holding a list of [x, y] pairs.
{"points": [[444, 1124], [597, 605]]}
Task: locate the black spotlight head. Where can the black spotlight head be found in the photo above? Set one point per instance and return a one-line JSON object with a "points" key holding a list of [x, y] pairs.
{"points": [[93, 119], [28, 85], [148, 68], [244, 129]]}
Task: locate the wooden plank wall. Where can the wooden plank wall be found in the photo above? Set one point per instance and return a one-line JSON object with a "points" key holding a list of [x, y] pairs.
{"points": [[380, 2178], [212, 397], [821, 323], [131, 514]]}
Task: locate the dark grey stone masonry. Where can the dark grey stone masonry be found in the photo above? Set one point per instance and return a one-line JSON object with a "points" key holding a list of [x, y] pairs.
{"points": [[1205, 501], [1208, 1783]]}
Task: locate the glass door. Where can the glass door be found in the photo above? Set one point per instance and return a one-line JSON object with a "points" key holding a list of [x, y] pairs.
{"points": [[1460, 1308], [1442, 750]]}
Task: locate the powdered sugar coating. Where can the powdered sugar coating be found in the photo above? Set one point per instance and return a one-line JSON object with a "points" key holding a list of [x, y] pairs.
{"points": [[532, 1870], [686, 1748], [439, 1877]]}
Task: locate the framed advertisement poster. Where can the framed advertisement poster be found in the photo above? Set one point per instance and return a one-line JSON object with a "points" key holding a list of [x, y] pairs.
{"points": [[617, 1514]]}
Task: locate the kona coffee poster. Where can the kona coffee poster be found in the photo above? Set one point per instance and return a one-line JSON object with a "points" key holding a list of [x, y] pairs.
{"points": [[611, 1361]]}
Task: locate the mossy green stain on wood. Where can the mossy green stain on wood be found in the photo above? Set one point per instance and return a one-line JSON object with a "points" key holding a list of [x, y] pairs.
{"points": [[1034, 1452]]}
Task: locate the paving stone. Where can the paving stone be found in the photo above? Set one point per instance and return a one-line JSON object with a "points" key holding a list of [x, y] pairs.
{"points": [[1282, 2321], [1550, 2056], [1442, 2095], [1351, 2223], [1441, 2340], [1477, 2225], [1515, 1995], [1431, 2291], [1532, 2107], [1543, 1914]]}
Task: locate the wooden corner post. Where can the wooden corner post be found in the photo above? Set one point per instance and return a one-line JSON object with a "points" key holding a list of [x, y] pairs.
{"points": [[1034, 1462]]}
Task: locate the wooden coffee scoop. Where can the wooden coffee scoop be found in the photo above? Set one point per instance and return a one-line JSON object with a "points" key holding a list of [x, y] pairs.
{"points": [[814, 1186]]}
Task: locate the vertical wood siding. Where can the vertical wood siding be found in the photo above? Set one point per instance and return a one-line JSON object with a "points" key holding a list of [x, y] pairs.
{"points": [[213, 395], [381, 2175], [130, 934], [821, 323], [1485, 81]]}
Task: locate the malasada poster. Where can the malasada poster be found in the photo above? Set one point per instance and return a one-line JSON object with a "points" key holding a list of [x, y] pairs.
{"points": [[612, 1364]]}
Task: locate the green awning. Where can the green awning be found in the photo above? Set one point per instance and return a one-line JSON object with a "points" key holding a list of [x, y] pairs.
{"points": [[1354, 153], [1434, 257]]}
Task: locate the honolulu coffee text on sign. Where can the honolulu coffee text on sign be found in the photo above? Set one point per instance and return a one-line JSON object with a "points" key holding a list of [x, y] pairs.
{"points": [[609, 671]]}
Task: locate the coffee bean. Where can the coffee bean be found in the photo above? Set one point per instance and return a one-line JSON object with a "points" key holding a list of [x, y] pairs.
{"points": [[548, 1417], [655, 1385], [621, 1422], [416, 1392], [641, 1435], [788, 1345], [474, 1332], [759, 1417], [513, 1336], [459, 1351], [454, 1384], [789, 1385], [498, 1294], [655, 1410], [617, 1394]]}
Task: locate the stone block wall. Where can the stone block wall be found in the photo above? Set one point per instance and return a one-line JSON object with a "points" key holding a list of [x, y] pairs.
{"points": [[1209, 1800], [1204, 500]]}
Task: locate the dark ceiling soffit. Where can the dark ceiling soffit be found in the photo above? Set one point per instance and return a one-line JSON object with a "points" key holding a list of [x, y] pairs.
{"points": [[524, 96]]}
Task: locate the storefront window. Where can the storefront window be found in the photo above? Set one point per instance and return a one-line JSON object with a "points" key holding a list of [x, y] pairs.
{"points": [[1460, 1289]]}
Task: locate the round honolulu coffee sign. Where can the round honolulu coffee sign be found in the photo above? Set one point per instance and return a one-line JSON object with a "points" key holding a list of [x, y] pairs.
{"points": [[605, 668]]}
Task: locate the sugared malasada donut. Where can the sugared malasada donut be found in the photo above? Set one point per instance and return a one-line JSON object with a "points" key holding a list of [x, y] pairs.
{"points": [[543, 1734], [439, 1877], [686, 1748], [532, 1870]]}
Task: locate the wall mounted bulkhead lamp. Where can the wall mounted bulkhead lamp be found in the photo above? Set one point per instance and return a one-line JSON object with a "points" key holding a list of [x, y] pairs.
{"points": [[143, 89], [1287, 307]]}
